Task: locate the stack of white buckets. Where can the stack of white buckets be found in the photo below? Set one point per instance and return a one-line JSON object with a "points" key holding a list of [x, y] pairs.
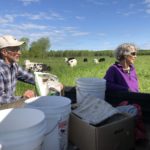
{"points": [[57, 110], [94, 87], [41, 125], [22, 129]]}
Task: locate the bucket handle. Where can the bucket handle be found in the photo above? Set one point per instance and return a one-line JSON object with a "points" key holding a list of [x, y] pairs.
{"points": [[49, 131], [83, 96], [45, 135], [53, 127], [1, 146]]}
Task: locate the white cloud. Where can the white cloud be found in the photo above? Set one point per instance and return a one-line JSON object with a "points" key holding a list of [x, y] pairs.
{"points": [[145, 45], [107, 44], [129, 13], [148, 11], [115, 2], [6, 19], [69, 28], [77, 33], [34, 31], [147, 1], [3, 20], [131, 5], [27, 2], [24, 26], [73, 31], [102, 34], [40, 16], [96, 2], [131, 9], [80, 18], [37, 16], [31, 26]]}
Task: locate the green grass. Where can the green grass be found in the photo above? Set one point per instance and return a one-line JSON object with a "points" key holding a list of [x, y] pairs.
{"points": [[68, 75]]}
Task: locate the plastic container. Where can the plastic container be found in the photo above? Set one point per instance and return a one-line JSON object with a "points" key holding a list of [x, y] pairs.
{"points": [[90, 86], [57, 110], [22, 129]]}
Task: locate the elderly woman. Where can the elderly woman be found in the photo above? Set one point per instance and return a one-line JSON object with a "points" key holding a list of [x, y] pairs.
{"points": [[122, 76]]}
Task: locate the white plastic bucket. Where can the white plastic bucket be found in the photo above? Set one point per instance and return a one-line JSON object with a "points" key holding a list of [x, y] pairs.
{"points": [[90, 86], [22, 129], [57, 110]]}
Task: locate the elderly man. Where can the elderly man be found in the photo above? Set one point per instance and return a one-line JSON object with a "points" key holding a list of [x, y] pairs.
{"points": [[10, 71]]}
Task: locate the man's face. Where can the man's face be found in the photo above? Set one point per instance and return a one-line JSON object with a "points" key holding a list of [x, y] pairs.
{"points": [[12, 54]]}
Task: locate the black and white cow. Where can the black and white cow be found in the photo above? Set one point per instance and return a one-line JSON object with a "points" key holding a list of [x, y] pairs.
{"points": [[36, 67], [72, 62], [85, 60], [101, 59]]}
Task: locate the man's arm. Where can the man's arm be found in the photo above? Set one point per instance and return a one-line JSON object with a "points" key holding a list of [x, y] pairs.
{"points": [[25, 76], [5, 98]]}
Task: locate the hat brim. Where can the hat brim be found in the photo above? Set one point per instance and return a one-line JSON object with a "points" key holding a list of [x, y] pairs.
{"points": [[18, 43]]}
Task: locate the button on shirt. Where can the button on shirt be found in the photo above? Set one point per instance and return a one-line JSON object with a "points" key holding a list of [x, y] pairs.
{"points": [[119, 80], [9, 74]]}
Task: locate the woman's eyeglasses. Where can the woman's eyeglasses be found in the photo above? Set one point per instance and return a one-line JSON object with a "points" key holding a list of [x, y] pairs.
{"points": [[133, 53]]}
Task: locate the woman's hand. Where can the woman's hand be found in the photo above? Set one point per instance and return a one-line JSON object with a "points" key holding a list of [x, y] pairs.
{"points": [[129, 90]]}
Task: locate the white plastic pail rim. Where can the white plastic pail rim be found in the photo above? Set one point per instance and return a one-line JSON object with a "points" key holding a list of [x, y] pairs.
{"points": [[50, 105], [20, 119], [22, 128], [90, 88], [51, 102], [90, 81]]}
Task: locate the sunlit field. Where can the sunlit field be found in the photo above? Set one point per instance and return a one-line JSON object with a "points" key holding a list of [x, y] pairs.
{"points": [[68, 75]]}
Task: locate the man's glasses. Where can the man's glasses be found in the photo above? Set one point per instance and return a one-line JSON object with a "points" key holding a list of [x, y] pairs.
{"points": [[14, 49]]}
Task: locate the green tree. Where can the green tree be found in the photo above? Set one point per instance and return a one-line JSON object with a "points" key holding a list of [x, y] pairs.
{"points": [[40, 47], [25, 45]]}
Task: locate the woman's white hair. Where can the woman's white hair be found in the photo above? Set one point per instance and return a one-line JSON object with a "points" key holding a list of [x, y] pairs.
{"points": [[123, 50]]}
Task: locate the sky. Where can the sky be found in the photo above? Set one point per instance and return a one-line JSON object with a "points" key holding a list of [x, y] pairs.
{"points": [[78, 24]]}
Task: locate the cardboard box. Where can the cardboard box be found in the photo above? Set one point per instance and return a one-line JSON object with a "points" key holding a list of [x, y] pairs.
{"points": [[117, 135]]}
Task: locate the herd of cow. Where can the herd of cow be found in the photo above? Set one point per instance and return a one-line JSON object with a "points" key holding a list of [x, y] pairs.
{"points": [[73, 61], [41, 67]]}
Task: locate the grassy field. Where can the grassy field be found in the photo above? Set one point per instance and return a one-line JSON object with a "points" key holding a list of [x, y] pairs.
{"points": [[69, 75]]}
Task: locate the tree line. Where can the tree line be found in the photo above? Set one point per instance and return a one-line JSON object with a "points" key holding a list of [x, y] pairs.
{"points": [[41, 49]]}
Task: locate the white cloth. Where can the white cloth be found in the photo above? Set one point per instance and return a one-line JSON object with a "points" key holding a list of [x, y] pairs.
{"points": [[130, 109], [94, 110], [46, 83]]}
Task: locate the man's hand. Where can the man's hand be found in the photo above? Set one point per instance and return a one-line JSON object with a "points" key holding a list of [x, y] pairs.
{"points": [[29, 94]]}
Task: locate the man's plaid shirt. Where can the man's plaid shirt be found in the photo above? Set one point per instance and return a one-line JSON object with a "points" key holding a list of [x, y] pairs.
{"points": [[9, 74]]}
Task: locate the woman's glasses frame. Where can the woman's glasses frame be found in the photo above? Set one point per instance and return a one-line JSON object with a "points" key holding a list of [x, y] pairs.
{"points": [[133, 53]]}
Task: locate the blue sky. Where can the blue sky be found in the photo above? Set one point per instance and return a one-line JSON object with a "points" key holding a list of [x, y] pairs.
{"points": [[78, 24]]}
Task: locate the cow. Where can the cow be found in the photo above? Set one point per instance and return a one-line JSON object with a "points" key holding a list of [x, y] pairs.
{"points": [[96, 61], [85, 60], [72, 62], [36, 67], [101, 59]]}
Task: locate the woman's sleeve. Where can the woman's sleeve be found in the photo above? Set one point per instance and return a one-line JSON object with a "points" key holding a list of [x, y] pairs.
{"points": [[111, 77]]}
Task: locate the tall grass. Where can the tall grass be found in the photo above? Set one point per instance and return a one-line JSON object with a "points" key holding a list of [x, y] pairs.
{"points": [[68, 75]]}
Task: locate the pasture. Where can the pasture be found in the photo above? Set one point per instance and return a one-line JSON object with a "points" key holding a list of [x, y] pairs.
{"points": [[68, 75]]}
